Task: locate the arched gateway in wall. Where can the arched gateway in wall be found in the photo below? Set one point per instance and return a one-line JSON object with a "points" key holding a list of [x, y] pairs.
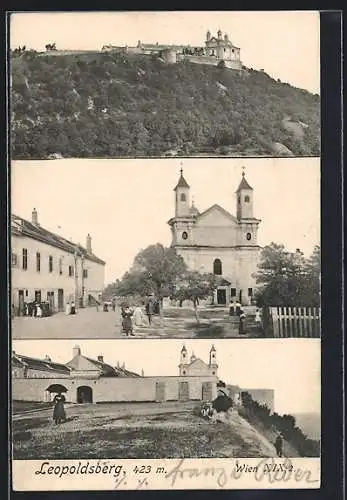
{"points": [[84, 394]]}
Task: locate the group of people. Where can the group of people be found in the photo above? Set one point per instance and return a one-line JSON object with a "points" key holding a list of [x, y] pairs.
{"points": [[135, 317], [36, 309], [235, 309]]}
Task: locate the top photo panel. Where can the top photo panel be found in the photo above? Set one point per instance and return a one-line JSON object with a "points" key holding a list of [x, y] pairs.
{"points": [[164, 84]]}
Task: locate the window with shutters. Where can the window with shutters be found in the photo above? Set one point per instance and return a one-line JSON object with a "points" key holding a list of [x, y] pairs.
{"points": [[25, 259], [38, 262]]}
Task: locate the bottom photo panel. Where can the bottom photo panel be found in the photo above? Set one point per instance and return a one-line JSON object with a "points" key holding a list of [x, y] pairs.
{"points": [[166, 414]]}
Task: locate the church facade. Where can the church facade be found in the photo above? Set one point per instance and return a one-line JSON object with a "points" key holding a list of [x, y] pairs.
{"points": [[215, 241]]}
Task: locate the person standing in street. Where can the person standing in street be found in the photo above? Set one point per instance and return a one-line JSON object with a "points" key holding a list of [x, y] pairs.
{"points": [[242, 317], [138, 316], [258, 318], [232, 308], [149, 311], [127, 321], [73, 308]]}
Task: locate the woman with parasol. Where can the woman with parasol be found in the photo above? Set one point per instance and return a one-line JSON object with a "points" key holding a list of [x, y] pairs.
{"points": [[59, 414]]}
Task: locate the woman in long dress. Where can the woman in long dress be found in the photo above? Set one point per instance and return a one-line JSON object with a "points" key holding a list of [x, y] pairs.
{"points": [[38, 311], [138, 316], [127, 321], [59, 410]]}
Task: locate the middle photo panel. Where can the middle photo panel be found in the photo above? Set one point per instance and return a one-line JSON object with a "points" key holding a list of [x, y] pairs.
{"points": [[161, 248]]}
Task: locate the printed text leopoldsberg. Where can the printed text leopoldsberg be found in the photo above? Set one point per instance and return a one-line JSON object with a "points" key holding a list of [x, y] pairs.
{"points": [[82, 468]]}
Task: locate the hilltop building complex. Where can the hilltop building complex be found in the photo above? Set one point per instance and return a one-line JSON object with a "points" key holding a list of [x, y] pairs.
{"points": [[215, 49]]}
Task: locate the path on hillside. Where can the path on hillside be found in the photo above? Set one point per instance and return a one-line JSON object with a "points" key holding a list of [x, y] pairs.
{"points": [[253, 439]]}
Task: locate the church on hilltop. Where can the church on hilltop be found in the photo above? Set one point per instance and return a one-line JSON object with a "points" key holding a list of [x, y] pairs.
{"points": [[214, 50], [215, 241]]}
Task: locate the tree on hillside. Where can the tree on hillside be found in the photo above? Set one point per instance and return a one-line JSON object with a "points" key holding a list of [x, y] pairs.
{"points": [[287, 278], [195, 286]]}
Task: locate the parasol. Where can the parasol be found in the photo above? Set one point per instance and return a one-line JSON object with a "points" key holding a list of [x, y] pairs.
{"points": [[56, 388]]}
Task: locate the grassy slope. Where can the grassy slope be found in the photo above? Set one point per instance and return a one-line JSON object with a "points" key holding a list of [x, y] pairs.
{"points": [[107, 105], [130, 431]]}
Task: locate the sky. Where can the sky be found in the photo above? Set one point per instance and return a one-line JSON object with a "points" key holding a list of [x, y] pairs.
{"points": [[291, 368], [125, 204], [284, 43]]}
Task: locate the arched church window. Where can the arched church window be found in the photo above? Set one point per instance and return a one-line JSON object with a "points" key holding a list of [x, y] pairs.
{"points": [[217, 267], [183, 197], [184, 372], [246, 199], [239, 199], [249, 236], [185, 235]]}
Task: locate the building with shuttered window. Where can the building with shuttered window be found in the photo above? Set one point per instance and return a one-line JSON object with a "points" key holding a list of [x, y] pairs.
{"points": [[47, 267]]}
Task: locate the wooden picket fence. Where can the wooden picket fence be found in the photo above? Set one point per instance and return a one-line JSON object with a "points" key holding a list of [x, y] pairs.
{"points": [[283, 322]]}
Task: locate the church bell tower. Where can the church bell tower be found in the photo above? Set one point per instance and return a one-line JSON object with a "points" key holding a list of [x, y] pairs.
{"points": [[182, 197], [213, 361], [183, 361], [244, 194], [248, 224]]}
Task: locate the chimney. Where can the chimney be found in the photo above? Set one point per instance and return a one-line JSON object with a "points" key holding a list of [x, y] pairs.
{"points": [[142, 373], [123, 366], [118, 364], [101, 359], [76, 351], [47, 358], [89, 243], [34, 217]]}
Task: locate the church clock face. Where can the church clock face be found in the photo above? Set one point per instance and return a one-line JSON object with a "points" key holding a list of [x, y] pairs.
{"points": [[184, 235]]}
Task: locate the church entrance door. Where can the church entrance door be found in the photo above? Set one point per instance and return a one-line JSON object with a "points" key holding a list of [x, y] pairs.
{"points": [[221, 297]]}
